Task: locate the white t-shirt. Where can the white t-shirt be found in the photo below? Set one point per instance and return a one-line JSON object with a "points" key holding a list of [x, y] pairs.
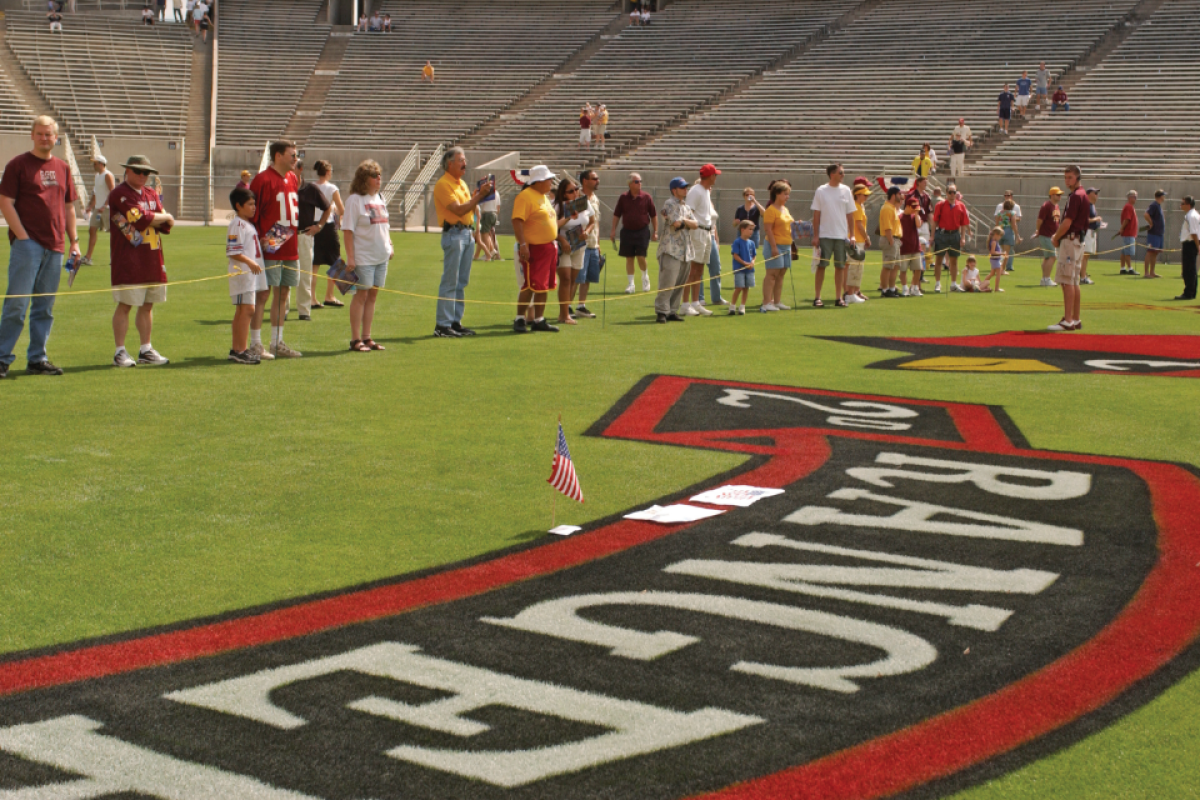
{"points": [[962, 132], [367, 218], [327, 189], [700, 202], [242, 240], [100, 189], [492, 205], [1191, 224], [971, 274], [834, 203], [1016, 212]]}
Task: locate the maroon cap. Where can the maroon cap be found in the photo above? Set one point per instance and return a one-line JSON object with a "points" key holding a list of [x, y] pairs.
{"points": [[861, 181], [708, 170]]}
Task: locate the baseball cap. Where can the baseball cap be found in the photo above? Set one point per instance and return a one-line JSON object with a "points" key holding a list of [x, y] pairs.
{"points": [[680, 183], [1093, 190], [1055, 190], [708, 170], [99, 159], [912, 201]]}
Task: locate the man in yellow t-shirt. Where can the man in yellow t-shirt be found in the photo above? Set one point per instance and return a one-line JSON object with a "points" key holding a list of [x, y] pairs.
{"points": [[535, 227], [427, 72], [890, 235], [456, 211]]}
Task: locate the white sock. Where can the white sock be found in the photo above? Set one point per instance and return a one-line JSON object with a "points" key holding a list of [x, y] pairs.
{"points": [[256, 336], [145, 347], [540, 319], [276, 335], [120, 350]]}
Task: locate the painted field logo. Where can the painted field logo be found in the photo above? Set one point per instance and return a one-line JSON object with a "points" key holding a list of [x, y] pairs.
{"points": [[1040, 351], [928, 601]]}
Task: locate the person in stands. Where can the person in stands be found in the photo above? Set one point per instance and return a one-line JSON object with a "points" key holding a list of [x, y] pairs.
{"points": [[147, 15], [1004, 104], [55, 19], [922, 165], [1043, 84], [427, 72], [1024, 88], [1059, 101], [585, 127]]}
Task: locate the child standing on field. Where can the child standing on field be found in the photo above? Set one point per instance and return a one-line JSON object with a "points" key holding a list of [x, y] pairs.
{"points": [[997, 254], [744, 251], [246, 277], [910, 248]]}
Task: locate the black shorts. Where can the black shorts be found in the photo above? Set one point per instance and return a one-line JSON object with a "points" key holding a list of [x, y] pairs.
{"points": [[635, 242], [326, 248], [1006, 113]]}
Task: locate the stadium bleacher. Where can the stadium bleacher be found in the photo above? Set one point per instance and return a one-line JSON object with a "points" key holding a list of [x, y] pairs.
{"points": [[489, 57], [868, 97], [15, 113], [1131, 115], [650, 76], [107, 74]]}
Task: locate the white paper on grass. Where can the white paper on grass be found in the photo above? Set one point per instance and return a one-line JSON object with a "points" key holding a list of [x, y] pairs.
{"points": [[735, 495], [671, 515], [565, 530]]}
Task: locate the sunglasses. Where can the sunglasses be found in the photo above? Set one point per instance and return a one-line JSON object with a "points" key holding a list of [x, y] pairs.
{"points": [[635, 181]]}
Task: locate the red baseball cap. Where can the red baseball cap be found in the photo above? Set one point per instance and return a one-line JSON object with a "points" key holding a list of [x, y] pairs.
{"points": [[708, 170]]}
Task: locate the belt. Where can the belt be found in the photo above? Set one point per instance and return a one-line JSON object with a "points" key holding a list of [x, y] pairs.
{"points": [[947, 230], [703, 228], [447, 226]]}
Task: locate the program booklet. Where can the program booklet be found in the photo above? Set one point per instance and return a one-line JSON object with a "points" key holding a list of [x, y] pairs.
{"points": [[277, 237], [344, 278]]}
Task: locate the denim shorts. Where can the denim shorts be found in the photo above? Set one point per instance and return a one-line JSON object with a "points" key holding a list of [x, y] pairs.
{"points": [[1008, 238], [370, 276], [591, 266], [743, 277], [784, 261], [1130, 246]]}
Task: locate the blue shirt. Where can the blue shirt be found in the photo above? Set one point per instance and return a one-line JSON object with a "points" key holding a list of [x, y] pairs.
{"points": [[744, 249], [1158, 225], [1006, 101], [1023, 85]]}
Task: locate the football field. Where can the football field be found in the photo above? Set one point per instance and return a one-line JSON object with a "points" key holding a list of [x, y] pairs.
{"points": [[140, 498]]}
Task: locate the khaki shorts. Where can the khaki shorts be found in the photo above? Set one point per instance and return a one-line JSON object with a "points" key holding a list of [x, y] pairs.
{"points": [[98, 220], [701, 245], [137, 296], [1070, 259], [891, 254], [854, 272], [910, 261]]}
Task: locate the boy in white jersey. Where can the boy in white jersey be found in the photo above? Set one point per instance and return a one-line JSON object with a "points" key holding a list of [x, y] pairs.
{"points": [[246, 278]]}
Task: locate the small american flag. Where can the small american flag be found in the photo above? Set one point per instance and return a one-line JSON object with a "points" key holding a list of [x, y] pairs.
{"points": [[562, 474]]}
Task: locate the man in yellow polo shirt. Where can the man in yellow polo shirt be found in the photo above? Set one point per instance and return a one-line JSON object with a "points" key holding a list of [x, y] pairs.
{"points": [[535, 227], [456, 211]]}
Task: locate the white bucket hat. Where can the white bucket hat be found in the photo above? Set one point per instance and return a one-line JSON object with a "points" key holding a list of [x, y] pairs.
{"points": [[532, 175]]}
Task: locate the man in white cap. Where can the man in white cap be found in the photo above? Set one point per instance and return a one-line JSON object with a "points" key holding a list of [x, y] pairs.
{"points": [[97, 207], [535, 227], [699, 200]]}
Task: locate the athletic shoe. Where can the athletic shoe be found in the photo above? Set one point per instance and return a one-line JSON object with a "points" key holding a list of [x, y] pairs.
{"points": [[243, 357], [85, 261], [1087, 281], [460, 330], [123, 359], [937, 287], [702, 311], [916, 292], [258, 351], [722, 302], [675, 318], [583, 312], [645, 283], [1051, 283], [629, 289], [765, 307], [700, 301], [733, 311], [42, 368], [281, 350], [1061, 325], [542, 325], [660, 318], [782, 307], [850, 298], [741, 311], [954, 287], [151, 358], [519, 326], [897, 292], [1077, 325], [1185, 297], [689, 310], [305, 318], [3, 370]]}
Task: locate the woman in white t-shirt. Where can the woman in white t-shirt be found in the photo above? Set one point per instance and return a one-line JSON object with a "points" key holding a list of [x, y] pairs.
{"points": [[573, 229], [368, 250]]}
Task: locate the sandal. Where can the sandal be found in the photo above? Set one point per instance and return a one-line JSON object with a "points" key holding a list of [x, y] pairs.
{"points": [[335, 303], [359, 346], [371, 345], [818, 304], [840, 304], [317, 305]]}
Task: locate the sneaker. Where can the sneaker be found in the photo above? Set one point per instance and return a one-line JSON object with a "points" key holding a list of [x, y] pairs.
{"points": [[937, 287], [123, 359], [243, 357], [733, 311], [702, 311], [570, 311], [916, 292], [629, 289], [954, 287], [1050, 282], [87, 262], [645, 283], [765, 307], [151, 358], [42, 368], [674, 318], [3, 370], [542, 325], [700, 302], [1088, 281], [460, 330], [689, 310], [258, 351], [1061, 325], [445, 332], [741, 311], [583, 312], [519, 326], [782, 307], [281, 350], [305, 318], [660, 318], [721, 302]]}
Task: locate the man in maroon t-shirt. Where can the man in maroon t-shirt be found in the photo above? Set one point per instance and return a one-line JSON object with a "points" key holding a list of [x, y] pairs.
{"points": [[1129, 232], [37, 198], [925, 212], [1047, 223], [636, 213], [1069, 241], [135, 248]]}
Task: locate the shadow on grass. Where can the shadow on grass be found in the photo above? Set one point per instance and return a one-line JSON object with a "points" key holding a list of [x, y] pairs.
{"points": [[528, 536]]}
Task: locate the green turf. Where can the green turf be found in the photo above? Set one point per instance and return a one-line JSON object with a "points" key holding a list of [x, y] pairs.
{"points": [[148, 496]]}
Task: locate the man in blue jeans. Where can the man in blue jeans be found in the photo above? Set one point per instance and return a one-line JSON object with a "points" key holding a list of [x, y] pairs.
{"points": [[714, 268], [456, 212], [37, 198]]}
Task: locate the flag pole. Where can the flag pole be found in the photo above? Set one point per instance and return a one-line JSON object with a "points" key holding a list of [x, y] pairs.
{"points": [[554, 501]]}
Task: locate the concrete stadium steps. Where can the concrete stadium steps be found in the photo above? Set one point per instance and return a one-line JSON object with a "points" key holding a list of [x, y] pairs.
{"points": [[20, 100], [194, 200], [316, 92]]}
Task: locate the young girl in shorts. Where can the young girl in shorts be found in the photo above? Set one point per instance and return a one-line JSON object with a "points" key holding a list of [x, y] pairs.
{"points": [[997, 256]]}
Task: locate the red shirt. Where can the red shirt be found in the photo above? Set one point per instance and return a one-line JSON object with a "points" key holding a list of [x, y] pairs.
{"points": [[41, 190], [1048, 219], [277, 200], [131, 213], [910, 239], [1078, 210], [1129, 222], [951, 217], [635, 212], [585, 121]]}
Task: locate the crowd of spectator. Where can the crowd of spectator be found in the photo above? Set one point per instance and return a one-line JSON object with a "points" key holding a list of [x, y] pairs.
{"points": [[376, 23]]}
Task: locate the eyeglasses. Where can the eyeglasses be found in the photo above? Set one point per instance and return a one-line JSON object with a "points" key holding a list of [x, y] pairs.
{"points": [[637, 181], [142, 172]]}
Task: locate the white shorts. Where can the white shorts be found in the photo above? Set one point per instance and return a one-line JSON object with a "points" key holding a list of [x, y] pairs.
{"points": [[1089, 243], [248, 282], [137, 296], [571, 259], [1022, 100], [245, 299], [585, 135], [701, 244]]}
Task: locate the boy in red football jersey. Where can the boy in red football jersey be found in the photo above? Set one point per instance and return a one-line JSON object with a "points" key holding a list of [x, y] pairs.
{"points": [[277, 202]]}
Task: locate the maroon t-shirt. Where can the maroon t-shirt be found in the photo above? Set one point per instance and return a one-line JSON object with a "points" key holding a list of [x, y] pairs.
{"points": [[1078, 210], [635, 213], [910, 238], [131, 213], [1129, 224], [1048, 219], [923, 199], [40, 190], [585, 121]]}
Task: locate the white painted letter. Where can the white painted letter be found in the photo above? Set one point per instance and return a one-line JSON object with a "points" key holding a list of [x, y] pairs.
{"points": [[918, 517], [1059, 485], [905, 651], [848, 413]]}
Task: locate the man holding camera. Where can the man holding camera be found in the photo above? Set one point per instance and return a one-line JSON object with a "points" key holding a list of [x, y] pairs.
{"points": [[456, 211]]}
